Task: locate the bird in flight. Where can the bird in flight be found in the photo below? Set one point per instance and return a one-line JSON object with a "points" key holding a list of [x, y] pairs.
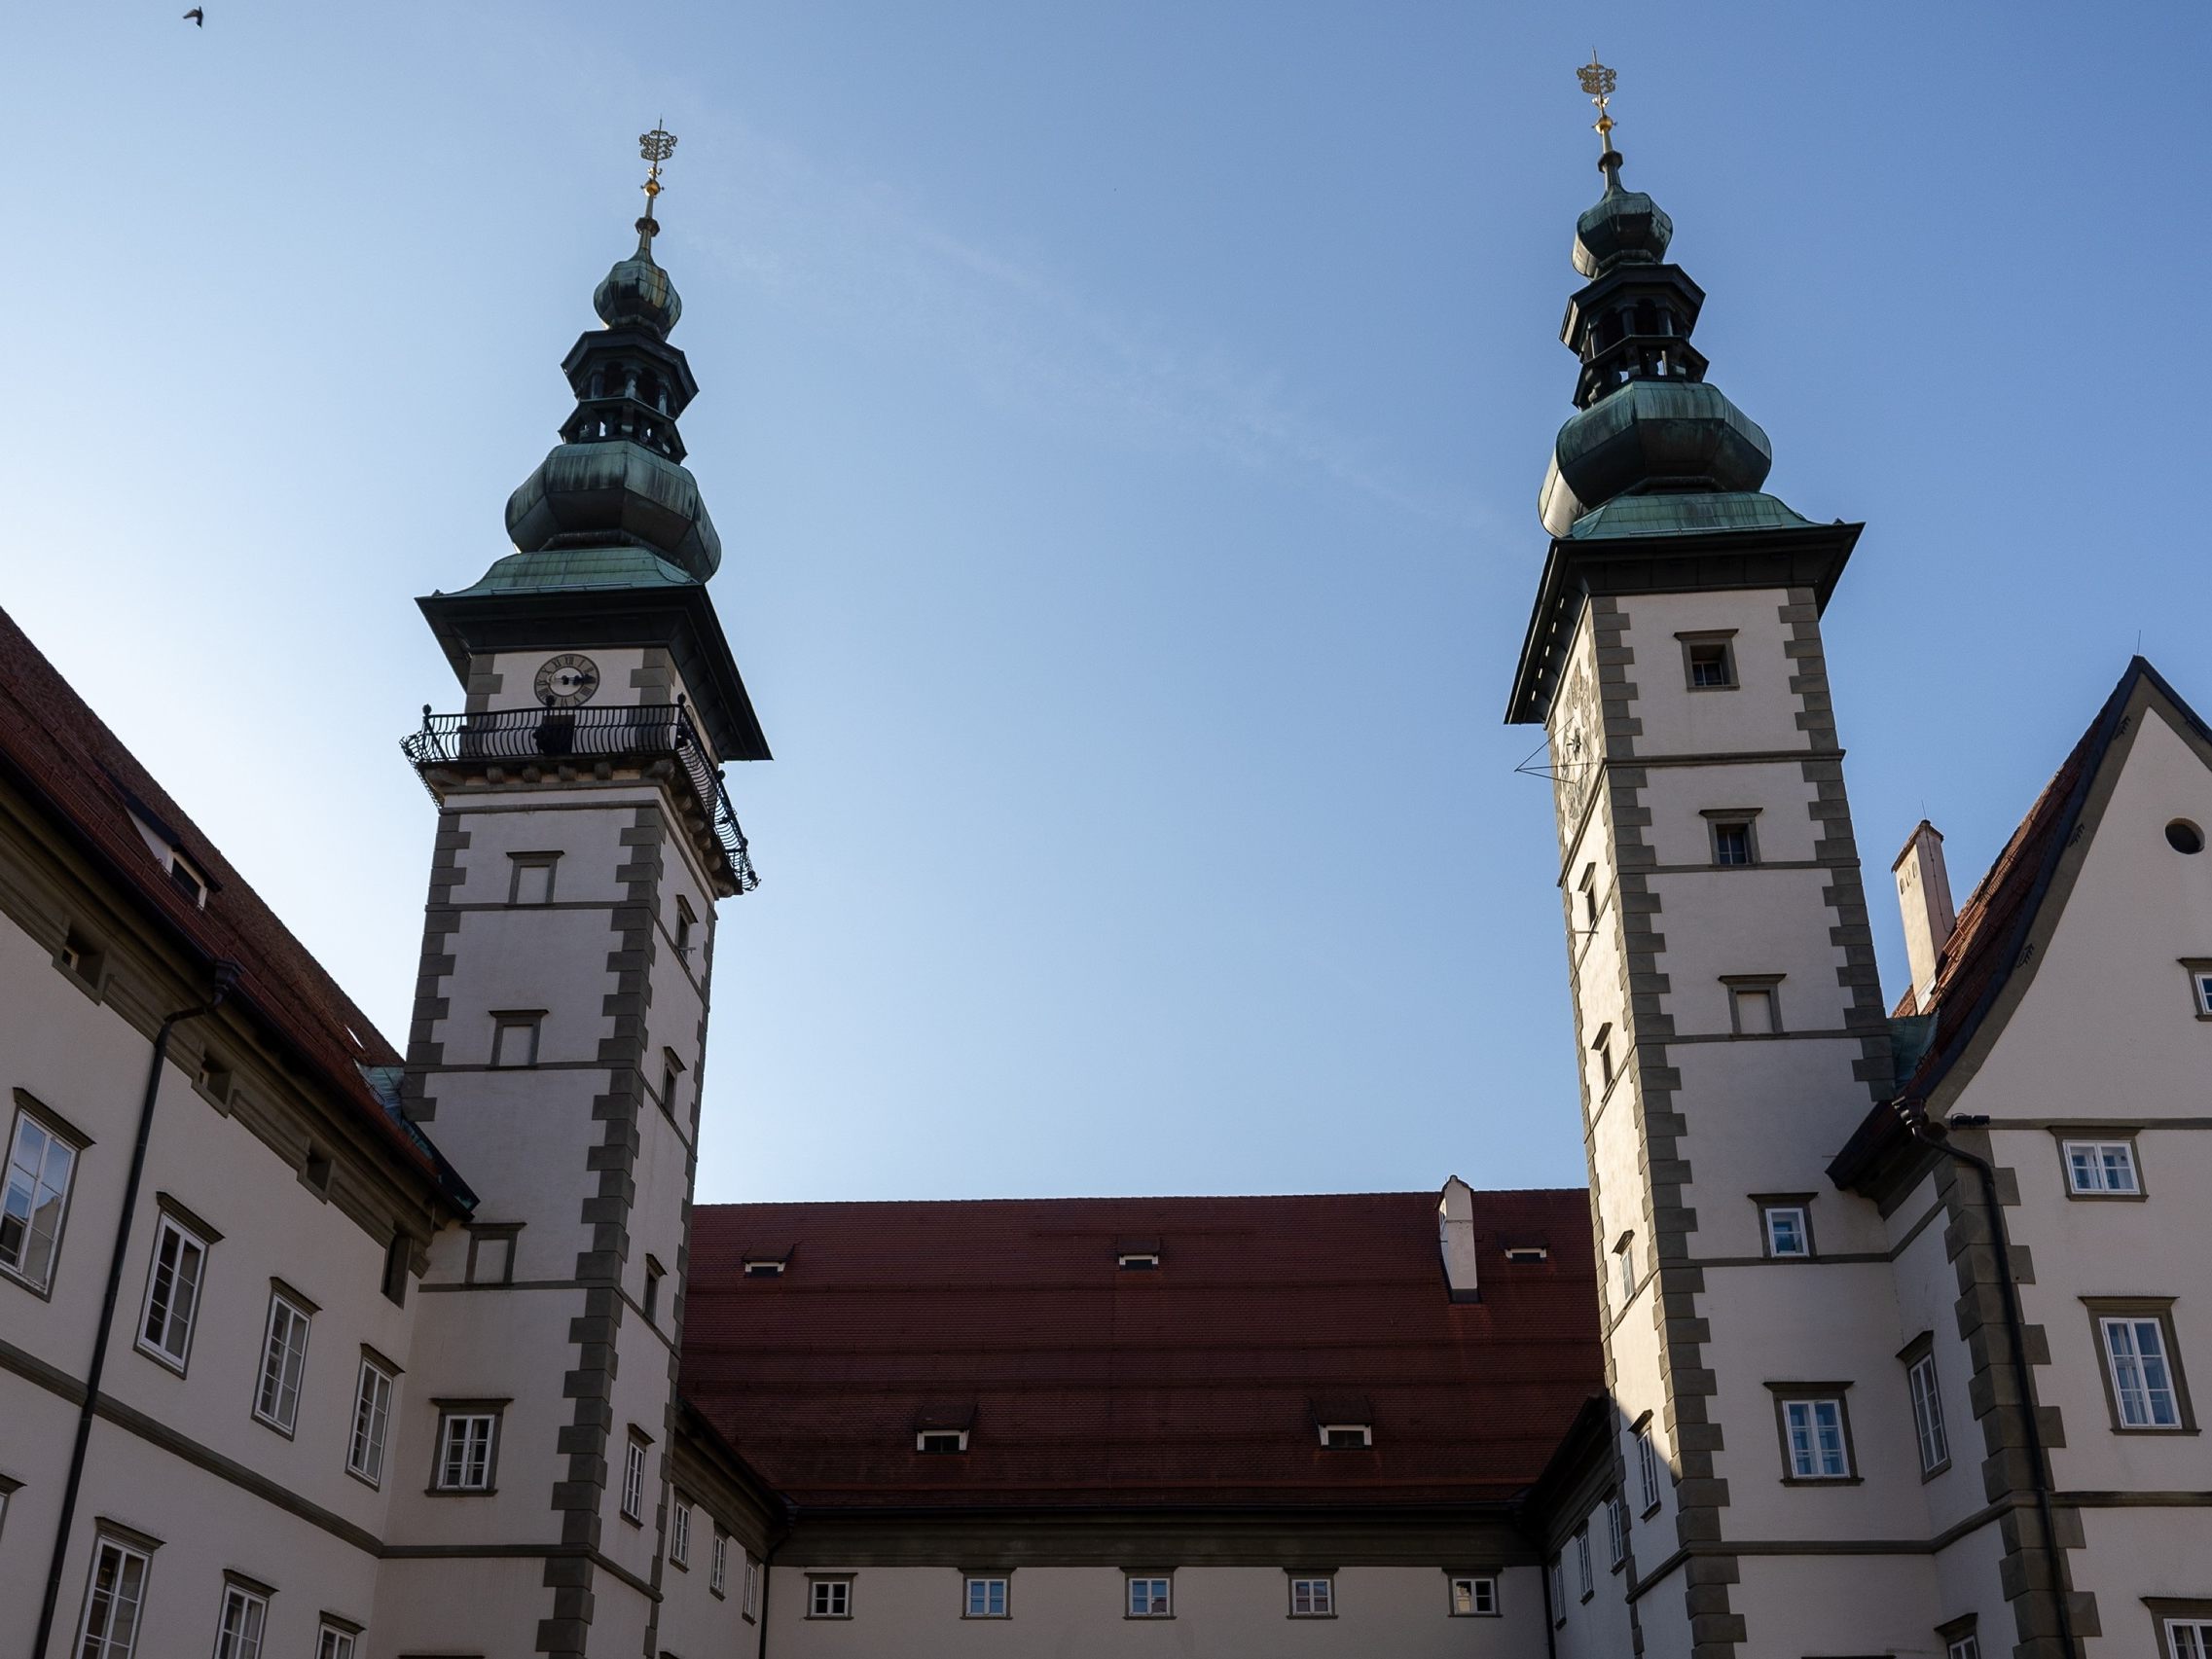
{"points": [[196, 16]]}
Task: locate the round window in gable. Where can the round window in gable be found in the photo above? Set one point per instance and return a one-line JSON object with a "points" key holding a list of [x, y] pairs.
{"points": [[2185, 836]]}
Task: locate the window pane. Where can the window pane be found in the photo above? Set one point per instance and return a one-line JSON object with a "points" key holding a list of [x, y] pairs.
{"points": [[2083, 1165], [2118, 1169]]}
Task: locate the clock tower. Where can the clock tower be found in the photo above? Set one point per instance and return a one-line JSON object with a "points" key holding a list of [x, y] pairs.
{"points": [[557, 1043]]}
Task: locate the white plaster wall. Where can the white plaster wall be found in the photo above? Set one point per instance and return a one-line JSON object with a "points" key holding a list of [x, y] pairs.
{"points": [[476, 1606], [1676, 795], [695, 1623], [2134, 1552], [1748, 921], [518, 673], [1760, 716], [1598, 1628], [1816, 1606]]}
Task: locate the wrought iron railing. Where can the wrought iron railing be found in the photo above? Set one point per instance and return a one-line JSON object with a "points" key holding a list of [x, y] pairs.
{"points": [[565, 736]]}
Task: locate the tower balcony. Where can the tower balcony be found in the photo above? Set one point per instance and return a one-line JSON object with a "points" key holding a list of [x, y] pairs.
{"points": [[453, 754]]}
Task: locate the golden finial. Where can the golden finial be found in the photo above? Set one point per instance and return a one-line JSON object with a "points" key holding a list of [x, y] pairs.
{"points": [[656, 147], [1597, 85]]}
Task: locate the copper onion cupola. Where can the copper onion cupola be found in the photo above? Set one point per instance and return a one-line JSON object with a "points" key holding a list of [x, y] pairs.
{"points": [[1647, 420], [617, 478]]}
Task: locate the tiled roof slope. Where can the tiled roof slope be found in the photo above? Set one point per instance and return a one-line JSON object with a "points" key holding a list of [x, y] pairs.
{"points": [[1093, 1386], [62, 752]]}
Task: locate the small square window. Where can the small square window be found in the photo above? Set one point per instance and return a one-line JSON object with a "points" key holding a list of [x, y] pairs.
{"points": [[188, 881], [985, 1599], [1475, 1596], [1965, 1647], [1313, 1598], [2101, 1168], [531, 881], [1709, 663], [1732, 845], [1751, 1008], [1786, 1230], [492, 1252], [1150, 1598], [1347, 1436], [941, 1442], [829, 1599], [514, 1039]]}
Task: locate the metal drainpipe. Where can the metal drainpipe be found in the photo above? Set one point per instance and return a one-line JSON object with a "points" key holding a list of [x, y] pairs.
{"points": [[1550, 1624], [226, 976], [767, 1578], [1928, 1134]]}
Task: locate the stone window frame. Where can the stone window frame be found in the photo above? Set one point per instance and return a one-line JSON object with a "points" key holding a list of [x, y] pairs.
{"points": [[337, 1636], [373, 1364], [1802, 1203], [2070, 1136], [450, 1410], [1473, 1577], [1601, 1045], [1616, 1531], [2168, 1610], [1324, 1576], [672, 1079], [636, 1460], [1654, 1487], [2199, 971], [819, 1605], [1768, 984], [1002, 1577], [79, 1143], [175, 1217], [1725, 640], [1961, 1637], [1719, 818], [1132, 1576], [1791, 1394], [251, 1596], [507, 1233], [2158, 1308], [718, 1560], [113, 1534], [504, 1019], [1918, 1353], [518, 862], [304, 1312]]}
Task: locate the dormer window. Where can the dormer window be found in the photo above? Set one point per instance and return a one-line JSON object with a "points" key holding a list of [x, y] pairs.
{"points": [[941, 1442], [1138, 1261], [1347, 1436], [1526, 1253], [188, 881], [766, 1267]]}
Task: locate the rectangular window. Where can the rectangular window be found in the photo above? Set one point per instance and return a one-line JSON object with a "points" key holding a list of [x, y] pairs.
{"points": [[748, 1602], [1732, 844], [2139, 1370], [1787, 1233], [652, 1303], [1347, 1436], [531, 882], [1813, 1432], [332, 1642], [188, 881], [1624, 1264], [466, 1450], [1602, 1047], [394, 1281], [1963, 1647], [40, 1163], [172, 1293], [1150, 1598], [2190, 1638], [634, 1480], [986, 1599], [1558, 1591], [1752, 1010], [679, 1533], [2100, 1168], [514, 1039], [114, 1598], [283, 1361], [2201, 982], [1709, 661], [685, 922], [1616, 1531], [1647, 1469], [941, 1442], [1582, 1579], [492, 1252], [244, 1614], [1475, 1597], [1928, 1414], [829, 1599], [1313, 1598], [717, 1560]]}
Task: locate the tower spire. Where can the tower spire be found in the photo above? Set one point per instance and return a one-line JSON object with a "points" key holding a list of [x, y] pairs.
{"points": [[655, 147], [1598, 83]]}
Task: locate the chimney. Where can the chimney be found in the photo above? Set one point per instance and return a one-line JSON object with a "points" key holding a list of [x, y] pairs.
{"points": [[1924, 897], [1455, 1237]]}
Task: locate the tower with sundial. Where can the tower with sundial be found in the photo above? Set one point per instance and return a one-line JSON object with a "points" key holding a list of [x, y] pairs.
{"points": [[584, 837], [1729, 1019]]}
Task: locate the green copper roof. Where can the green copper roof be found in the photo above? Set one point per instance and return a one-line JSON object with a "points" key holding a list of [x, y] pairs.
{"points": [[1672, 513], [570, 570]]}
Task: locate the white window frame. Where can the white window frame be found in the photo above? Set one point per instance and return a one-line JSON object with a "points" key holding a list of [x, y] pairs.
{"points": [[1769, 1214], [172, 1347], [829, 1598], [633, 1479], [748, 1588], [242, 1626], [924, 1439], [719, 1563], [284, 1362], [1481, 1599], [1927, 1430], [1557, 1571], [1616, 1529], [467, 1462], [1584, 1581], [2095, 1160], [1157, 1592], [373, 1388], [1808, 1461], [1624, 1262], [2138, 1405], [2201, 981], [2197, 1632], [1966, 1646], [1318, 1591], [125, 1595], [679, 1533], [28, 1172], [993, 1589], [335, 1641], [1647, 1470], [1365, 1433]]}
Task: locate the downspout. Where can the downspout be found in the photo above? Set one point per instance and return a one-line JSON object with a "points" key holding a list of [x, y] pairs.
{"points": [[1550, 1622], [767, 1579], [1916, 1119], [226, 976]]}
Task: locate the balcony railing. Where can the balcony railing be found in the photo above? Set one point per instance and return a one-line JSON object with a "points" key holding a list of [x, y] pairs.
{"points": [[568, 736]]}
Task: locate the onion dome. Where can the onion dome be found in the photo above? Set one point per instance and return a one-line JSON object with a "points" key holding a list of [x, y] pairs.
{"points": [[636, 292], [1626, 226]]}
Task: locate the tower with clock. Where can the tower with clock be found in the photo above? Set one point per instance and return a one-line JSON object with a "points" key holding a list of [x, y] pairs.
{"points": [[584, 838]]}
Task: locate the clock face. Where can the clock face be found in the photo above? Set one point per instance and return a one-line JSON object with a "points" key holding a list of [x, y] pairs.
{"points": [[566, 680]]}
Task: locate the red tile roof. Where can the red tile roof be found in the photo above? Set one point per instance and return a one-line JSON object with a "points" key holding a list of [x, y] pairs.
{"points": [[59, 750], [1088, 1386]]}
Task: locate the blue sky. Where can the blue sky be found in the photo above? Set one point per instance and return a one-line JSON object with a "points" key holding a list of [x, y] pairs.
{"points": [[1125, 424]]}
